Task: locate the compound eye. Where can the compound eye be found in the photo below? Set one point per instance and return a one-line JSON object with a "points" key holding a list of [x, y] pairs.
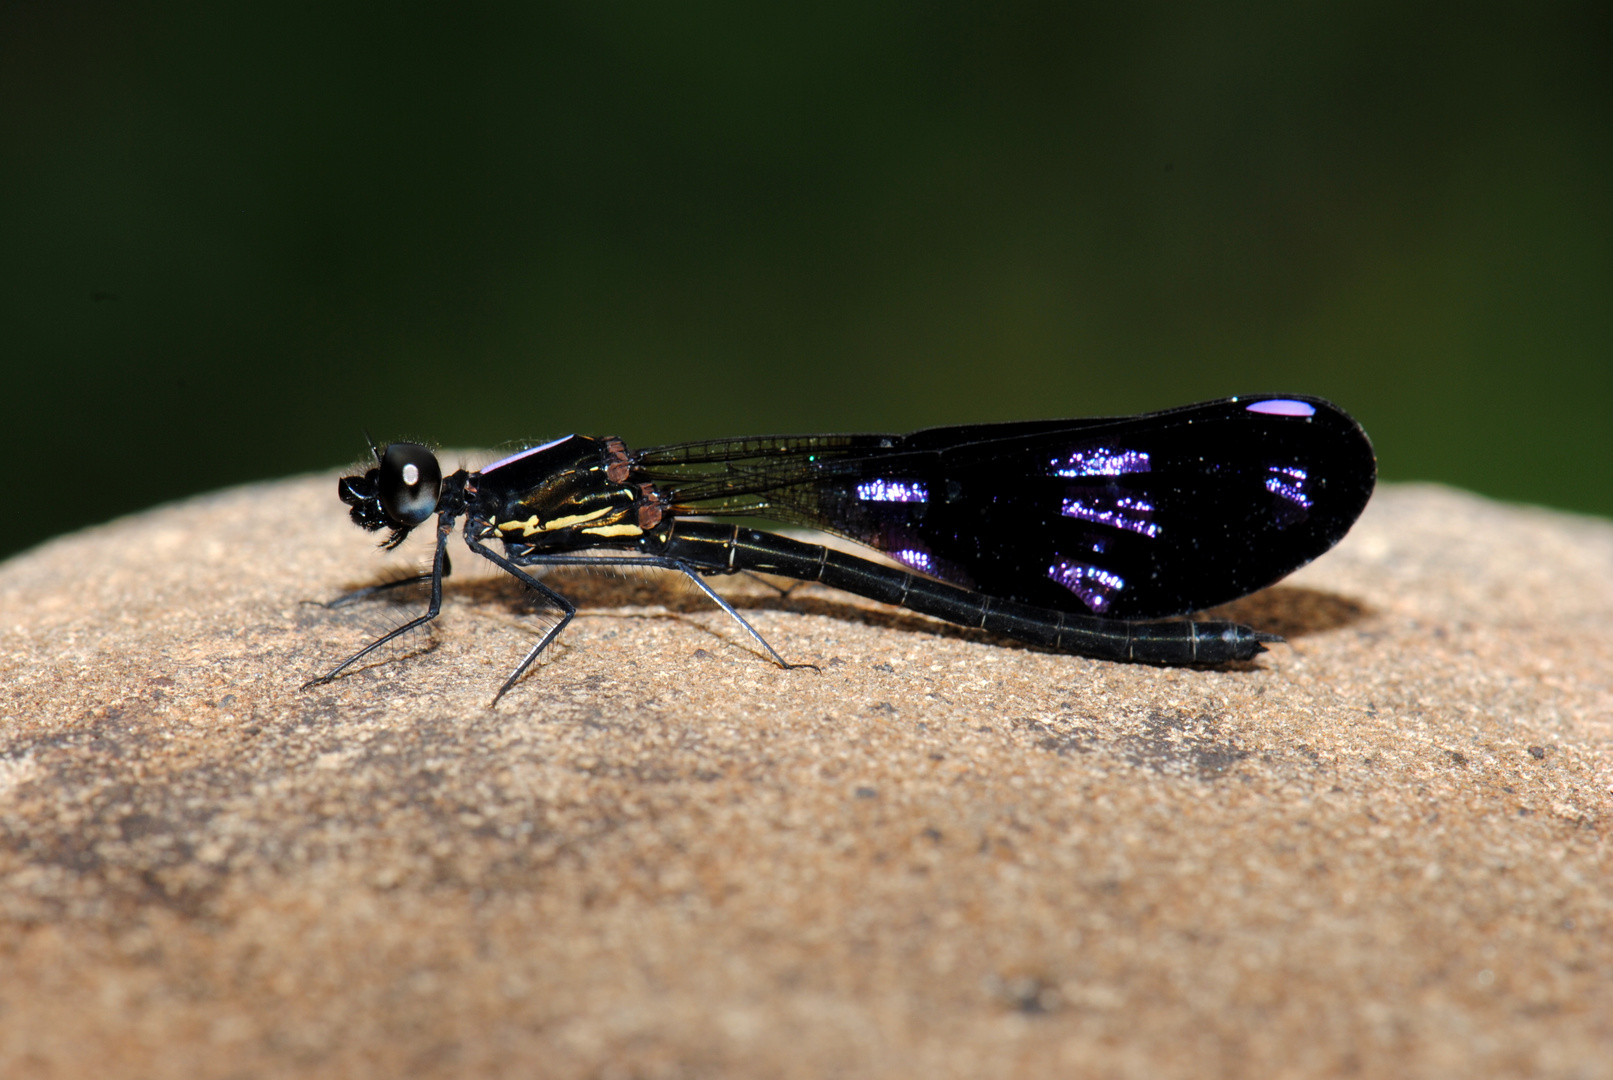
{"points": [[409, 482]]}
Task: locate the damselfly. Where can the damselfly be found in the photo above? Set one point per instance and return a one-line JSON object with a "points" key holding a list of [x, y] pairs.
{"points": [[1076, 535]]}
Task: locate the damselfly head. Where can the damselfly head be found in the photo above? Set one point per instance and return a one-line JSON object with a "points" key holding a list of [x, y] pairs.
{"points": [[399, 493]]}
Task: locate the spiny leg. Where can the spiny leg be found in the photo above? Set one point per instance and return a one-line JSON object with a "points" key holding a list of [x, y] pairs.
{"points": [[439, 565], [740, 619], [559, 601]]}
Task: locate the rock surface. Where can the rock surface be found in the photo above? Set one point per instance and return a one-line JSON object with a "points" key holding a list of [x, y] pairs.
{"points": [[1380, 850]]}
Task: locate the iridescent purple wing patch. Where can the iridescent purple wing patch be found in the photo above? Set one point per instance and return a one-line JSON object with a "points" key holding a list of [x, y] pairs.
{"points": [[1281, 407], [1100, 461], [918, 560], [893, 491], [1292, 486], [1116, 511], [1291, 483], [1095, 586]]}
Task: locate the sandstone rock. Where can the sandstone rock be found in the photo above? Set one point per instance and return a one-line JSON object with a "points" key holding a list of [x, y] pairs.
{"points": [[1382, 849]]}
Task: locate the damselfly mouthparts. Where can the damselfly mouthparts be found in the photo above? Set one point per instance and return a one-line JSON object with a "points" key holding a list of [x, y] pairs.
{"points": [[1069, 534]]}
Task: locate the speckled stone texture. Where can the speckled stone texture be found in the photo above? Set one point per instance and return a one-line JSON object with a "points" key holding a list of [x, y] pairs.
{"points": [[1379, 851]]}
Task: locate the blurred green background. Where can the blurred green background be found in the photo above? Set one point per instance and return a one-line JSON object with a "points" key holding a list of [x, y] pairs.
{"points": [[233, 236]]}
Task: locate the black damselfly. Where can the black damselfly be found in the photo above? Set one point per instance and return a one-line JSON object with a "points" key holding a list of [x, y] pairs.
{"points": [[1069, 534]]}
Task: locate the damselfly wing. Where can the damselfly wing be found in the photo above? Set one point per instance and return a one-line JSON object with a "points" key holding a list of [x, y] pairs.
{"points": [[1133, 518]]}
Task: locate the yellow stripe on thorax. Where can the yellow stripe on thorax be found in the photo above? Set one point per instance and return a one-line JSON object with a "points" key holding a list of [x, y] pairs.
{"points": [[531, 525]]}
